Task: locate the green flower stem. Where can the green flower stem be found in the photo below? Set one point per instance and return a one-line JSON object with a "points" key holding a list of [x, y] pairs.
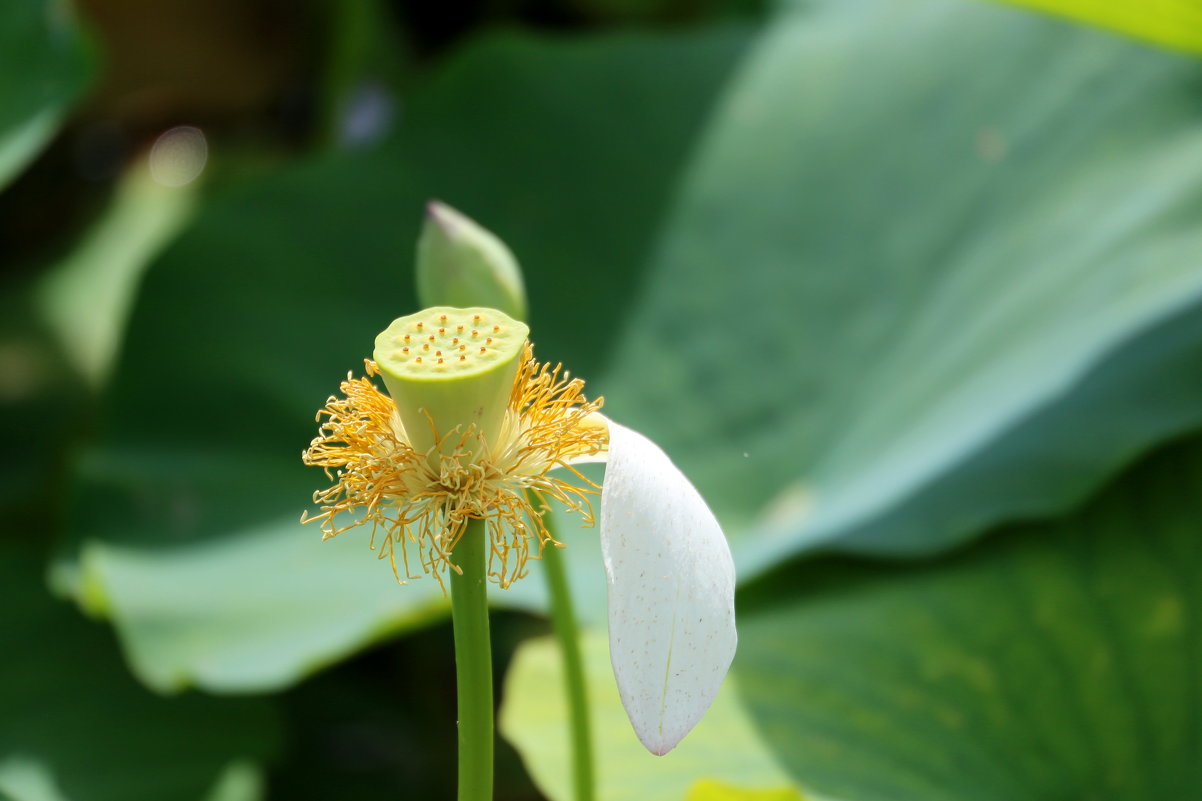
{"points": [[473, 663], [567, 631]]}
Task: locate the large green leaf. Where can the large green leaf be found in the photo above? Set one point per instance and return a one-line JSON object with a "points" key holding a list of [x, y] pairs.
{"points": [[74, 726], [1051, 661], [85, 298], [43, 69], [259, 632], [1054, 660], [882, 315], [1175, 23], [723, 751], [935, 265], [188, 506]]}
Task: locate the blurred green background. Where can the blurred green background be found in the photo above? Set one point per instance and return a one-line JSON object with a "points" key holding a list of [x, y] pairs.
{"points": [[911, 289]]}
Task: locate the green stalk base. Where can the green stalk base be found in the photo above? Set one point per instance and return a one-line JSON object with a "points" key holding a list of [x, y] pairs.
{"points": [[473, 663]]}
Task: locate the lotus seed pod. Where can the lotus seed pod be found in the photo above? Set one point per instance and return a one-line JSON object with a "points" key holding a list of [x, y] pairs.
{"points": [[460, 263], [449, 371]]}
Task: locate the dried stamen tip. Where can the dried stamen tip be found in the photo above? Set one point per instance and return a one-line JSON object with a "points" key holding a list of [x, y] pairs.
{"points": [[388, 482]]}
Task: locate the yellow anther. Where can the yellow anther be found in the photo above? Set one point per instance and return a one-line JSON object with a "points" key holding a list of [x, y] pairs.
{"points": [[428, 507]]}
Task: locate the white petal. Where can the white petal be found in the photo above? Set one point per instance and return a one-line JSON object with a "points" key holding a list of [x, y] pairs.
{"points": [[671, 591]]}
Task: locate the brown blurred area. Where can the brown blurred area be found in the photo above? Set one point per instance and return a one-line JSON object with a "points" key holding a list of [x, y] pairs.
{"points": [[217, 61]]}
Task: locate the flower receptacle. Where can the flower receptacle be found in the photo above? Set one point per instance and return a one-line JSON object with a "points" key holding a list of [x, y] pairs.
{"points": [[450, 372]]}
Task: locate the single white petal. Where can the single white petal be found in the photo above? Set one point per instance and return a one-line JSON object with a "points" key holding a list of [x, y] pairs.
{"points": [[671, 591]]}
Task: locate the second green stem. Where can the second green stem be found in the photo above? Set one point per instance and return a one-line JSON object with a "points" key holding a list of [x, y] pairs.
{"points": [[563, 618]]}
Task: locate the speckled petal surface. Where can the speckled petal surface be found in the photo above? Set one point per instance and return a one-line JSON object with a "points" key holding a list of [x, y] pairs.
{"points": [[671, 591]]}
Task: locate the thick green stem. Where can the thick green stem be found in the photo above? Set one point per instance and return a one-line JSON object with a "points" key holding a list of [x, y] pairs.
{"points": [[563, 618], [473, 663]]}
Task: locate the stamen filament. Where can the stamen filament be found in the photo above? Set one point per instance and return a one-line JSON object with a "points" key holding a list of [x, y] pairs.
{"points": [[426, 500]]}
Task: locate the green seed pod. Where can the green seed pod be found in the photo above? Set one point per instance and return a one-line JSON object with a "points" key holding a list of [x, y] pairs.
{"points": [[453, 368], [460, 263]]}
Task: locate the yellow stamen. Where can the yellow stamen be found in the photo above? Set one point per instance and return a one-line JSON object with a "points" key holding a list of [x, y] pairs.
{"points": [[379, 479]]}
